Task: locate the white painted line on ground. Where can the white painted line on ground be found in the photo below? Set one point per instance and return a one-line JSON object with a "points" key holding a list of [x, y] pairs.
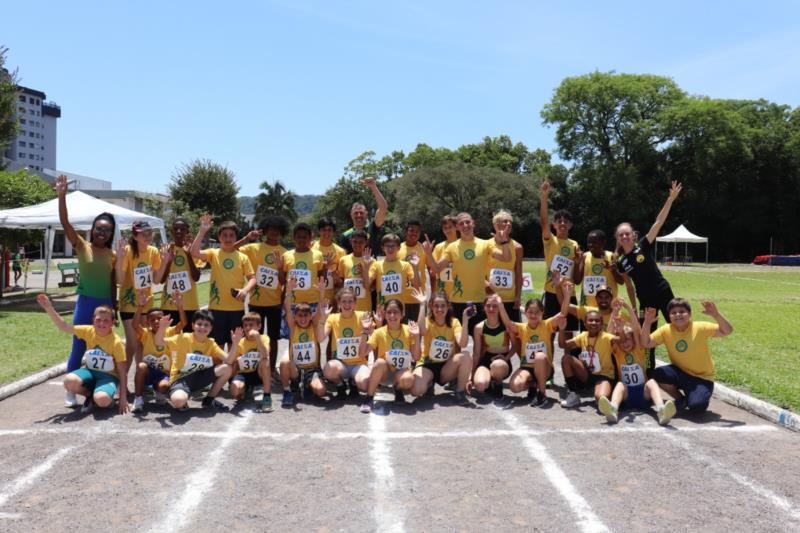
{"points": [[775, 499], [28, 478], [587, 520], [387, 509], [202, 480], [10, 516]]}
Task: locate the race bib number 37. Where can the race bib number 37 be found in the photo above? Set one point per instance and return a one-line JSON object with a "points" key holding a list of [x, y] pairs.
{"points": [[248, 362]]}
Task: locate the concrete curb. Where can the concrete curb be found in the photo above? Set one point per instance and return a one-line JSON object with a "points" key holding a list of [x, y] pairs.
{"points": [[32, 380], [765, 410]]}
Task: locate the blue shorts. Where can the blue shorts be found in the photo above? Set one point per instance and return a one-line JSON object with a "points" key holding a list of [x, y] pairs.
{"points": [[698, 391], [635, 399], [155, 376], [284, 326], [96, 381], [250, 379]]}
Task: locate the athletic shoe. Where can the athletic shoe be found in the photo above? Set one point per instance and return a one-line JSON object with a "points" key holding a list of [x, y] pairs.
{"points": [[341, 392], [572, 400], [70, 400], [161, 399], [461, 398], [354, 394], [608, 409], [538, 400], [666, 413], [258, 393], [399, 398], [549, 384], [248, 394], [496, 389], [213, 403], [138, 405], [288, 399], [266, 404], [531, 394], [366, 407], [87, 405]]}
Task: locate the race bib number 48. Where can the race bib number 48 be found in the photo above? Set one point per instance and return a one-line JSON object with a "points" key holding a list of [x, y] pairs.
{"points": [[532, 348], [347, 348], [179, 281], [97, 359], [399, 359], [390, 284], [267, 277], [142, 277]]}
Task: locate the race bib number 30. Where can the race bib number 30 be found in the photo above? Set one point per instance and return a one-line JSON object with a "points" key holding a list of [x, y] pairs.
{"points": [[357, 285], [97, 359], [248, 362], [563, 265], [304, 353], [441, 349], [399, 359], [267, 277], [142, 277], [179, 281], [532, 348], [591, 283], [303, 278], [347, 348], [390, 284], [196, 362], [157, 362], [501, 278], [632, 375]]}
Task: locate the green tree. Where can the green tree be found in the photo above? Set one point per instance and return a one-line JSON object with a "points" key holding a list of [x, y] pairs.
{"points": [[8, 105], [207, 187], [20, 189], [275, 200]]}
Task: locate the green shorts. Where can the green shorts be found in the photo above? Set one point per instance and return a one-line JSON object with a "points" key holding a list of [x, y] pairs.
{"points": [[97, 381]]}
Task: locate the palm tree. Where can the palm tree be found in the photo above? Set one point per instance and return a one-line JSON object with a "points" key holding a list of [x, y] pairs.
{"points": [[275, 200]]}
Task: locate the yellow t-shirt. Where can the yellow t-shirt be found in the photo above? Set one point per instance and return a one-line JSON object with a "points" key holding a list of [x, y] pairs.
{"points": [[688, 350], [501, 275], [538, 339], [345, 337], [440, 342], [596, 274], [102, 352], [596, 353], [156, 357], [631, 366], [351, 277], [247, 354], [190, 355], [470, 259], [268, 289], [306, 267], [140, 273], [559, 255], [444, 279], [395, 347], [303, 347], [390, 279], [180, 278], [405, 250], [229, 270], [335, 251]]}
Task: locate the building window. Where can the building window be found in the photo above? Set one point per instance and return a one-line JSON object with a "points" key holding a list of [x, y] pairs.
{"points": [[22, 110], [22, 143], [22, 121], [21, 98], [30, 134]]}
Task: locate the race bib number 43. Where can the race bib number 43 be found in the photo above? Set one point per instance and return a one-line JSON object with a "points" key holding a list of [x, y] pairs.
{"points": [[399, 359], [390, 284], [532, 348], [179, 281], [97, 359], [347, 348], [142, 277]]}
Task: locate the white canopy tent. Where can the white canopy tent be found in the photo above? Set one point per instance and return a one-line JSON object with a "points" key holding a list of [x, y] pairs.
{"points": [[681, 234], [82, 210]]}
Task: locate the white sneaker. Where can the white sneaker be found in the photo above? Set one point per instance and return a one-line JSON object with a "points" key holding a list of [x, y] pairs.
{"points": [[70, 400], [666, 413], [608, 409], [258, 393], [138, 404], [161, 399], [572, 400]]}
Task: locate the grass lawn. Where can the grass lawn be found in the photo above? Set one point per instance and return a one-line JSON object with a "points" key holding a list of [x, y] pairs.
{"points": [[761, 356], [30, 342]]}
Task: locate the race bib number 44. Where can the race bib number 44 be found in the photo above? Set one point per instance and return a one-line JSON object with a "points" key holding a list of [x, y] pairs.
{"points": [[267, 277], [97, 359], [142, 277], [441, 349], [563, 265], [532, 348], [196, 362], [501, 278], [347, 348], [591, 283], [304, 353], [179, 281], [248, 362], [357, 285], [391, 284], [303, 278], [157, 362], [399, 359]]}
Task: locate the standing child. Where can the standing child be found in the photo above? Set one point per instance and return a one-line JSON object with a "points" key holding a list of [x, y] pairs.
{"points": [[597, 268], [331, 252], [181, 273], [444, 279], [354, 269], [391, 276], [106, 370], [252, 366], [505, 277], [411, 247], [305, 265]]}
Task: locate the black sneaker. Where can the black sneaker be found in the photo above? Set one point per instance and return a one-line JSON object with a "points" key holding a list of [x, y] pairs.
{"points": [[354, 394], [368, 404], [496, 390], [531, 394], [538, 400], [213, 403], [399, 398], [461, 398], [88, 404], [341, 392]]}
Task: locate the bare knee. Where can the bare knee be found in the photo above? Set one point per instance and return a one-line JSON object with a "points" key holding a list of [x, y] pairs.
{"points": [[102, 399], [179, 399]]}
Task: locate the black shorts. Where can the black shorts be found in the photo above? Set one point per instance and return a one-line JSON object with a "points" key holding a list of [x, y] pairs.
{"points": [[224, 323], [250, 379], [412, 312], [176, 318], [194, 381], [480, 315], [436, 368], [513, 311], [127, 316], [552, 308], [272, 314], [486, 362], [594, 379], [529, 370]]}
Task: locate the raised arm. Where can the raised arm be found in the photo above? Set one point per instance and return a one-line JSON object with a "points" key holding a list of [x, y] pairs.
{"points": [[518, 275], [413, 328], [383, 205], [166, 252], [563, 342], [674, 190], [511, 327], [205, 226], [413, 260], [233, 350], [725, 327], [436, 266], [63, 217], [650, 316], [503, 253], [177, 297], [544, 193], [119, 266], [47, 305], [193, 270], [291, 284], [161, 332], [367, 326], [250, 237]]}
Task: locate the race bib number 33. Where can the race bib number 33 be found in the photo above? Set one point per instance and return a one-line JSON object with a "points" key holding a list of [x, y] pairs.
{"points": [[501, 278]]}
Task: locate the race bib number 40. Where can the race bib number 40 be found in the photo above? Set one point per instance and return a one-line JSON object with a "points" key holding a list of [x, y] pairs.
{"points": [[632, 375], [304, 353], [391, 284], [142, 277], [399, 359], [501, 278], [441, 349], [532, 348], [267, 277], [303, 278], [179, 281], [357, 284], [196, 362], [248, 362], [591, 283], [157, 362], [347, 348], [563, 265], [97, 359]]}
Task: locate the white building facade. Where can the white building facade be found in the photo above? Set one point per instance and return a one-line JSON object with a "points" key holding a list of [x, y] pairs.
{"points": [[37, 136]]}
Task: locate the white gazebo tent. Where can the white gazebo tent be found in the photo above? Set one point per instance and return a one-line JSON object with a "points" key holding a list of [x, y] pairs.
{"points": [[82, 210], [681, 234]]}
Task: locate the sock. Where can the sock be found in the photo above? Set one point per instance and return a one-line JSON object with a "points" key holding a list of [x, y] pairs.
{"points": [[572, 383]]}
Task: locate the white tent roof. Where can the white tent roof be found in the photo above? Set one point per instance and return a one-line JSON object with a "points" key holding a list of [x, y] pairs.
{"points": [[82, 210], [681, 234]]}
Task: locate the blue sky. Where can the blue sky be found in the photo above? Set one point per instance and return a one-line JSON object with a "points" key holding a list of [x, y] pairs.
{"points": [[294, 90]]}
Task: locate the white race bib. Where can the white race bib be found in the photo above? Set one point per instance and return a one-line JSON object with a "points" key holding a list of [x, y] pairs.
{"points": [[196, 362], [303, 278], [248, 362], [267, 277], [347, 348], [563, 265], [440, 350], [532, 348], [632, 375], [357, 284], [157, 362], [446, 275], [97, 359], [142, 277], [391, 284], [501, 278], [591, 360], [179, 281], [399, 359], [590, 284], [304, 353]]}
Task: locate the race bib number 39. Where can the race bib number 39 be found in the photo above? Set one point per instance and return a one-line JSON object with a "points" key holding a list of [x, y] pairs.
{"points": [[390, 284], [304, 353], [532, 348], [196, 362], [142, 277], [357, 285], [303, 278], [440, 350], [563, 265], [591, 283], [179, 281], [399, 359], [97, 359], [501, 278], [632, 375], [248, 362], [347, 348]]}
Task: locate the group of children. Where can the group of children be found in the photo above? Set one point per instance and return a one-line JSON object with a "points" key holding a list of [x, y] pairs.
{"points": [[404, 320]]}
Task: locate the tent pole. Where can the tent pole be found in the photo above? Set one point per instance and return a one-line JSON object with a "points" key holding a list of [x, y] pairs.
{"points": [[706, 253], [49, 251]]}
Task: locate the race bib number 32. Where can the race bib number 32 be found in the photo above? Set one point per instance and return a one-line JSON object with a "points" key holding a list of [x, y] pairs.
{"points": [[267, 277]]}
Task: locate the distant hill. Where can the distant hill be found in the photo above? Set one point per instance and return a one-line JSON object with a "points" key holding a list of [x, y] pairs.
{"points": [[303, 204]]}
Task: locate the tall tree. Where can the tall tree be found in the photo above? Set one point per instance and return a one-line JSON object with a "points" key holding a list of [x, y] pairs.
{"points": [[205, 186], [8, 105], [275, 200]]}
